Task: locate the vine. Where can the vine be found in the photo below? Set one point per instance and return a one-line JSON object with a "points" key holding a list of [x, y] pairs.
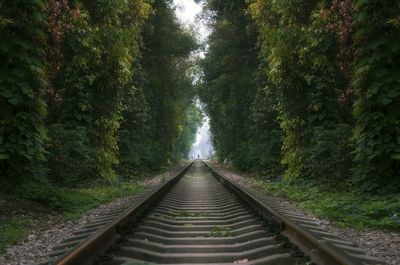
{"points": [[376, 80], [22, 87]]}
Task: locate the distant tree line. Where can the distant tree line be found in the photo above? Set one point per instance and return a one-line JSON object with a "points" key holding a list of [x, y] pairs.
{"points": [[307, 89], [91, 89]]}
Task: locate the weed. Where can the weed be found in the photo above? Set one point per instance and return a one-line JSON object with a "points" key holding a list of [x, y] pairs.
{"points": [[14, 230], [71, 203], [75, 202], [178, 214], [347, 209], [163, 178], [199, 214], [220, 231]]}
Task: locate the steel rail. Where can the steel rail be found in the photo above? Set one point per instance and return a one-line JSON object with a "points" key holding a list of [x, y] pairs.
{"points": [[95, 245], [322, 247], [317, 248]]}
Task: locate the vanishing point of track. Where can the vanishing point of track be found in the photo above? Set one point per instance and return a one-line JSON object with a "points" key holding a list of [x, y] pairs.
{"points": [[202, 217]]}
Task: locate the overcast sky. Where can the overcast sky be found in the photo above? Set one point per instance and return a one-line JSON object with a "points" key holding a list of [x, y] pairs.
{"points": [[187, 12]]}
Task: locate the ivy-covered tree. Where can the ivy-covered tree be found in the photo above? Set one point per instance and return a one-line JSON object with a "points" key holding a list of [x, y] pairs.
{"points": [[72, 56], [300, 46], [229, 70], [22, 87], [377, 85], [168, 84], [89, 89]]}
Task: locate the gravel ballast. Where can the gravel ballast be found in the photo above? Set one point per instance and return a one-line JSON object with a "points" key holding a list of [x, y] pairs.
{"points": [[381, 244], [38, 244]]}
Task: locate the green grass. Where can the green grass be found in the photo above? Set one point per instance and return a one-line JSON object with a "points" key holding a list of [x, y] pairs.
{"points": [[177, 214], [71, 204], [14, 230], [347, 209], [220, 231], [75, 202]]}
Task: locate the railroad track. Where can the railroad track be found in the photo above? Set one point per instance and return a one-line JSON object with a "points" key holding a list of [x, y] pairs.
{"points": [[202, 217]]}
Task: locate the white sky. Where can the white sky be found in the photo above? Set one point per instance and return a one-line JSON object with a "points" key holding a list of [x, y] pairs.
{"points": [[187, 12], [203, 145]]}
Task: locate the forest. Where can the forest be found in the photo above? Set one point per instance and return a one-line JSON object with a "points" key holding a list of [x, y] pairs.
{"points": [[306, 90], [91, 92], [101, 100], [103, 90]]}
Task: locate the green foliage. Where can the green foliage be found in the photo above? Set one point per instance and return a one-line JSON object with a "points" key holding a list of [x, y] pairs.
{"points": [[193, 120], [13, 231], [22, 86], [377, 110], [266, 138], [294, 114], [75, 202], [135, 145], [346, 208], [183, 214], [69, 158], [113, 76], [15, 226], [167, 81], [300, 50], [227, 87], [285, 115], [119, 96]]}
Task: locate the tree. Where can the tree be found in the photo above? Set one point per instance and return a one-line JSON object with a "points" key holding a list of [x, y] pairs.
{"points": [[167, 86], [22, 87], [376, 81], [229, 69]]}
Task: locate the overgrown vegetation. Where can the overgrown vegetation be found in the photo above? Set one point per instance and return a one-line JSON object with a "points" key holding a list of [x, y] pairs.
{"points": [[307, 90], [345, 208], [72, 203], [183, 214], [92, 93], [91, 90], [13, 230], [97, 91], [220, 231], [75, 202]]}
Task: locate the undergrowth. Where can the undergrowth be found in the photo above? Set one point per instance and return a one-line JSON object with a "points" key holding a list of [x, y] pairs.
{"points": [[13, 230], [75, 202], [348, 209], [70, 204]]}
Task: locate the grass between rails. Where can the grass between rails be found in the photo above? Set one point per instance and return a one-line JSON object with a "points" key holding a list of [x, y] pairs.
{"points": [[72, 204], [348, 209]]}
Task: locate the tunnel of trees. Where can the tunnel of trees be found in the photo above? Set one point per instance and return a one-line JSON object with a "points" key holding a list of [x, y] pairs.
{"points": [[91, 90], [95, 90], [307, 90]]}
